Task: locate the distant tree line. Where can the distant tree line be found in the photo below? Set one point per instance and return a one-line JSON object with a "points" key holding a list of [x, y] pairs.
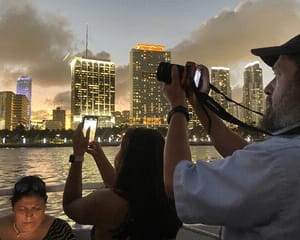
{"points": [[114, 134]]}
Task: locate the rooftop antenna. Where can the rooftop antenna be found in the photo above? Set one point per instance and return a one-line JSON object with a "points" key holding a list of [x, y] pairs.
{"points": [[86, 40]]}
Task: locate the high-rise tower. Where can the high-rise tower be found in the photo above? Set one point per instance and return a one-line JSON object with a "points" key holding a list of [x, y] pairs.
{"points": [[6, 109], [59, 115], [93, 90], [24, 87], [220, 78], [20, 111], [147, 106], [253, 92], [13, 110]]}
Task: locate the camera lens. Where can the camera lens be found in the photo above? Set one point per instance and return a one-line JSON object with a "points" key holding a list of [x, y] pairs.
{"points": [[164, 70]]}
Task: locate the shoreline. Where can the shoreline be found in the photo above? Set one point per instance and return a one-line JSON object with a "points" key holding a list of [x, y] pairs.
{"points": [[49, 145]]}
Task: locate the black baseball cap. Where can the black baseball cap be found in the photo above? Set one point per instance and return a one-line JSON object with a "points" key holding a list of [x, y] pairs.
{"points": [[270, 54]]}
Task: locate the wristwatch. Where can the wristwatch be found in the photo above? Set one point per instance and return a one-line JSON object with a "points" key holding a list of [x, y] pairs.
{"points": [[180, 109], [74, 158]]}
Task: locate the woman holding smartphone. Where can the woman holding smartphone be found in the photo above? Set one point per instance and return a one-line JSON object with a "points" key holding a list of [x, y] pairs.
{"points": [[134, 205]]}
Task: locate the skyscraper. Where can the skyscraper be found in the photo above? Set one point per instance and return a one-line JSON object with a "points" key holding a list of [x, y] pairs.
{"points": [[93, 90], [6, 110], [24, 87], [20, 110], [147, 106], [253, 92], [59, 115], [13, 110], [220, 78]]}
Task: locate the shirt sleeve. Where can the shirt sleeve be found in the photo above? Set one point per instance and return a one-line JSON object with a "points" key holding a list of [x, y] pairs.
{"points": [[240, 187]]}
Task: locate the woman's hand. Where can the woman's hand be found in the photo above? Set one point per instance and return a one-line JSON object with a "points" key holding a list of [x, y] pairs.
{"points": [[80, 142], [95, 149], [173, 91]]}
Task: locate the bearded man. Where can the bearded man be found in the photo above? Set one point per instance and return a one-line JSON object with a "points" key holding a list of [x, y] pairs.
{"points": [[254, 191]]}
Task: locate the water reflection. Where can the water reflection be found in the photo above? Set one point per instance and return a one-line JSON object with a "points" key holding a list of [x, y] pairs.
{"points": [[52, 165]]}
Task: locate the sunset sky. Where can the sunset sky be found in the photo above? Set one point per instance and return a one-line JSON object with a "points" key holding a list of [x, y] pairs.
{"points": [[39, 37]]}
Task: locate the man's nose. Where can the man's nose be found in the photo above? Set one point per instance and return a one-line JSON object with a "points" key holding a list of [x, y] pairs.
{"points": [[268, 90]]}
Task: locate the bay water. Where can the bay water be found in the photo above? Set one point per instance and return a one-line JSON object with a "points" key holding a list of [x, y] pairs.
{"points": [[52, 165]]}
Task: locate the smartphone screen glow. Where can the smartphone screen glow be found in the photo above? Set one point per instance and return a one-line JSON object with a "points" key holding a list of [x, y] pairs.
{"points": [[197, 78], [90, 122]]}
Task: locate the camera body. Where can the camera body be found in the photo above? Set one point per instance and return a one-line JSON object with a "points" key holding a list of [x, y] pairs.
{"points": [[192, 78], [91, 122]]}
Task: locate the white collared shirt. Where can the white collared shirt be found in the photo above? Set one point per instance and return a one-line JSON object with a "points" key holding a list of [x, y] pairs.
{"points": [[255, 193]]}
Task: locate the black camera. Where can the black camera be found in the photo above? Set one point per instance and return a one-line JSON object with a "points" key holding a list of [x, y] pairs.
{"points": [[164, 69], [193, 76]]}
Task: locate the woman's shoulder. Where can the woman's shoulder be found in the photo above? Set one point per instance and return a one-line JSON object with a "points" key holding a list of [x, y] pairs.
{"points": [[113, 206], [110, 196], [5, 221], [6, 226]]}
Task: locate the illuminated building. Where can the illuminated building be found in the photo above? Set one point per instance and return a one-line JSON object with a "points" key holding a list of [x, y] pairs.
{"points": [[6, 110], [13, 110], [38, 124], [148, 107], [24, 87], [93, 90], [20, 110], [253, 92], [59, 116], [53, 125], [220, 78], [121, 118]]}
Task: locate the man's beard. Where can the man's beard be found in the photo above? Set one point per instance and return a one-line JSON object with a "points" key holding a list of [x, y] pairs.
{"points": [[286, 113]]}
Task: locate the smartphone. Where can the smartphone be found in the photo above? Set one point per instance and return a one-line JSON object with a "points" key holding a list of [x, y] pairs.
{"points": [[197, 78], [90, 122]]}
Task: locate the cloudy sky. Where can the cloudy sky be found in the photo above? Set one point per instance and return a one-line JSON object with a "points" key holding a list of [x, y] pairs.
{"points": [[38, 38]]}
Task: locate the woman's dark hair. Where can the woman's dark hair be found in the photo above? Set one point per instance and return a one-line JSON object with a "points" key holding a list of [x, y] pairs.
{"points": [[28, 186], [140, 181]]}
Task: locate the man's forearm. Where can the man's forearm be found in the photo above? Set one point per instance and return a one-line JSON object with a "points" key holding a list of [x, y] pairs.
{"points": [[224, 140], [176, 148]]}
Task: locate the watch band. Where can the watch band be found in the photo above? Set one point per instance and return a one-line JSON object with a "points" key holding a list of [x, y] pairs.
{"points": [[74, 158], [180, 109]]}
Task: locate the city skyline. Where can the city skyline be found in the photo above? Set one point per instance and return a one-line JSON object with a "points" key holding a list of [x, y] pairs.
{"points": [[93, 93], [40, 36]]}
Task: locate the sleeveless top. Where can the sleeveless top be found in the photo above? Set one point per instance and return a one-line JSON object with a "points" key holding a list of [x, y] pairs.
{"points": [[129, 231], [59, 230]]}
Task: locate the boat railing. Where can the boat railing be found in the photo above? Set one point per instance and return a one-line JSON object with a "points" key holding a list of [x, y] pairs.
{"points": [[57, 188], [188, 231]]}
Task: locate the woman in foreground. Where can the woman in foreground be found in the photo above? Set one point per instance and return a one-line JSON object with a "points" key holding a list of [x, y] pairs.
{"points": [[134, 204], [29, 220]]}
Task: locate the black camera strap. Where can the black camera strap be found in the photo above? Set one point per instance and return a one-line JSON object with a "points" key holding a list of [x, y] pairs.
{"points": [[210, 103], [216, 90], [215, 107]]}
